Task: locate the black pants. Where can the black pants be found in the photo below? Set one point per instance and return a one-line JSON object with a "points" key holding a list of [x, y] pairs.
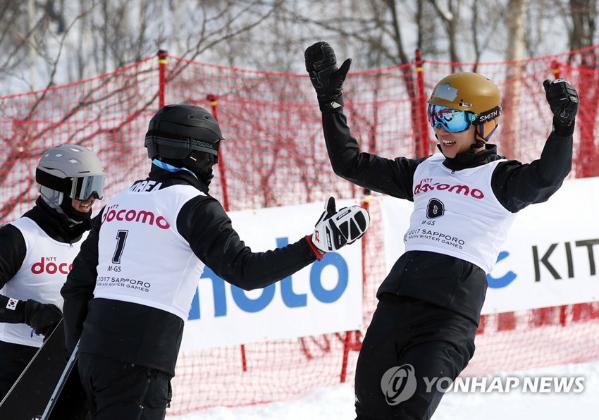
{"points": [[13, 359], [123, 391], [408, 344]]}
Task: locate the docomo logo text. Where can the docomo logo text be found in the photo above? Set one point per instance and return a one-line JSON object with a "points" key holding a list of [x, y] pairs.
{"points": [[426, 185], [134, 215], [51, 266]]}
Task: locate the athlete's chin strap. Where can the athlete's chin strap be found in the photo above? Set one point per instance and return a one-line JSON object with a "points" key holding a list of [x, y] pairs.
{"points": [[480, 139]]}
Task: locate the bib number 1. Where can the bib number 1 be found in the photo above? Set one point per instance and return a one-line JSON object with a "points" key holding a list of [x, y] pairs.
{"points": [[121, 238]]}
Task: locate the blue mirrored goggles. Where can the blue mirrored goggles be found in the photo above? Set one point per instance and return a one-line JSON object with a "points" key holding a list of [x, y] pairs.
{"points": [[451, 120]]}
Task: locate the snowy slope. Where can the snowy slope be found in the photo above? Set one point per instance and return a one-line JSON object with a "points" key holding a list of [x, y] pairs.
{"points": [[337, 403]]}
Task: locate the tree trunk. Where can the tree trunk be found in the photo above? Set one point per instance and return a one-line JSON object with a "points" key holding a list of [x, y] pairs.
{"points": [[582, 33], [513, 77]]}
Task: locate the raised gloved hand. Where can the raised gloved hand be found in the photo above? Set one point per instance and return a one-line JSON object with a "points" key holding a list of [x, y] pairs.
{"points": [[327, 79], [337, 228], [42, 317], [563, 101]]}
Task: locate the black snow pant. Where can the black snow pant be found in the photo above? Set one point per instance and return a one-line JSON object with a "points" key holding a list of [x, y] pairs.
{"points": [[13, 360], [409, 344], [120, 390]]}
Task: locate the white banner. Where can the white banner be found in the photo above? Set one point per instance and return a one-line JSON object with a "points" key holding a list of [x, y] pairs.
{"points": [[551, 256], [322, 298]]}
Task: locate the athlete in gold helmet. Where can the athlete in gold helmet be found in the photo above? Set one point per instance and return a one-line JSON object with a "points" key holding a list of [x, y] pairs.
{"points": [[460, 101], [464, 202]]}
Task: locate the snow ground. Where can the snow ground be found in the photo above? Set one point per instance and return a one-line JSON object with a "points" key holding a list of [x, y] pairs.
{"points": [[337, 403]]}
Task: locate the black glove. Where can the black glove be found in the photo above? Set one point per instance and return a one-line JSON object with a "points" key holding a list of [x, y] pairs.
{"points": [[327, 79], [42, 317], [563, 101]]}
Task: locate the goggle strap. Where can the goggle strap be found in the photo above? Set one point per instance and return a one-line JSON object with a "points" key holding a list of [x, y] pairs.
{"points": [[489, 115], [51, 181]]}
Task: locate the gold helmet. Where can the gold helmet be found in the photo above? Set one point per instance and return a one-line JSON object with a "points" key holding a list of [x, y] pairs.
{"points": [[473, 93]]}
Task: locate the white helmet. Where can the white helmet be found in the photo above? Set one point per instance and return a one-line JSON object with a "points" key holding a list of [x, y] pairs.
{"points": [[70, 170]]}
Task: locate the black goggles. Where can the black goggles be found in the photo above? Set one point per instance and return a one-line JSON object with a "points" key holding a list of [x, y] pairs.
{"points": [[79, 188]]}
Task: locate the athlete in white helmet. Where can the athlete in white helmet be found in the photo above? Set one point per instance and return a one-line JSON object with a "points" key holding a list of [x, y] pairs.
{"points": [[37, 251], [137, 272], [464, 201]]}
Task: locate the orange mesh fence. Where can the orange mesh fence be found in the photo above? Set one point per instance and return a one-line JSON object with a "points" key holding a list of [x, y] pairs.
{"points": [[274, 155]]}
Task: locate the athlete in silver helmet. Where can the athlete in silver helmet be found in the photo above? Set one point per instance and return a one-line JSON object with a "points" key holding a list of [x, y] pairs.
{"points": [[36, 252]]}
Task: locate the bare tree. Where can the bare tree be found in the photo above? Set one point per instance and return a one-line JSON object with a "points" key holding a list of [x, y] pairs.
{"points": [[29, 124], [514, 72], [583, 15], [582, 28], [449, 14]]}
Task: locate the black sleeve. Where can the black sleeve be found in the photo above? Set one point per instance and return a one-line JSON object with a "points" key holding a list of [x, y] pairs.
{"points": [[12, 254], [204, 224], [389, 176], [517, 185], [78, 290]]}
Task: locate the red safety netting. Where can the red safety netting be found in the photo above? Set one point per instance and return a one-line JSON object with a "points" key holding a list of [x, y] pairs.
{"points": [[274, 155]]}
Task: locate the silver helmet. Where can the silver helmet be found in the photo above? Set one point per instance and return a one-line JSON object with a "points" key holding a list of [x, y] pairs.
{"points": [[69, 170]]}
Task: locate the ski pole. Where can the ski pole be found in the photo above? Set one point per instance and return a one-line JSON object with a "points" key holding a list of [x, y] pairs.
{"points": [[60, 385]]}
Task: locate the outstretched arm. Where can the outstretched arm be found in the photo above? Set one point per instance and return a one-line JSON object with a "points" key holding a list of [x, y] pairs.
{"points": [[517, 185], [389, 176], [394, 177], [204, 224]]}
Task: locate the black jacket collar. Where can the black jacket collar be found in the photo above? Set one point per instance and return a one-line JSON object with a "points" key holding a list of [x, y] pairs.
{"points": [[55, 224], [470, 159]]}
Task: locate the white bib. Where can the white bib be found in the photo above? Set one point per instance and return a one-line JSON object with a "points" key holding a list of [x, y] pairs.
{"points": [[142, 258], [456, 213], [41, 276]]}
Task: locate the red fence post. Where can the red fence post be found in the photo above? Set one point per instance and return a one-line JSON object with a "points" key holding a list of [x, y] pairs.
{"points": [[365, 204], [588, 77], [213, 100], [423, 146], [555, 69], [162, 54], [346, 348], [347, 342]]}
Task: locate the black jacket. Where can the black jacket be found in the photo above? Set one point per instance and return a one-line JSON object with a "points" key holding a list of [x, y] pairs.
{"points": [[148, 336], [436, 278], [13, 249]]}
